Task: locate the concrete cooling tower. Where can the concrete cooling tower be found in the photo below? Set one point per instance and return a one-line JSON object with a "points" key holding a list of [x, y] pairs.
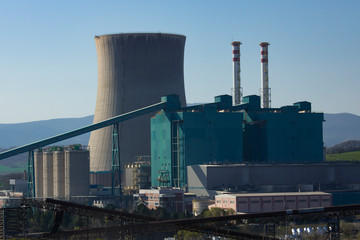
{"points": [[134, 71]]}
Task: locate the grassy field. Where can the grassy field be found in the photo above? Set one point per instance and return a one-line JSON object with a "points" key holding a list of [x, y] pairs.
{"points": [[11, 169], [348, 156]]}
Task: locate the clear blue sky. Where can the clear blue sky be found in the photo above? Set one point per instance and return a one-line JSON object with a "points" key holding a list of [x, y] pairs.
{"points": [[48, 64]]}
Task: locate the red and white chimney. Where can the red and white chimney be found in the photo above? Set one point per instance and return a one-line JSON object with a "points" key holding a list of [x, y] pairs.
{"points": [[237, 90], [265, 90]]}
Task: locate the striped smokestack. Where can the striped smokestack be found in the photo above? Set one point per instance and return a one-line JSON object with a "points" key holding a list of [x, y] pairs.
{"points": [[265, 90], [236, 64]]}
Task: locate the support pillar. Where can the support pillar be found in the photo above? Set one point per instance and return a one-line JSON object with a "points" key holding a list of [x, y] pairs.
{"points": [[115, 167], [31, 174]]}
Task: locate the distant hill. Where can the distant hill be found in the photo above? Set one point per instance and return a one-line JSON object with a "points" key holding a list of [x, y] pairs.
{"points": [[341, 127], [348, 146], [19, 134], [337, 128]]}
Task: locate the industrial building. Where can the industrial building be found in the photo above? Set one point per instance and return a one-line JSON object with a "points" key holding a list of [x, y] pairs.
{"points": [[237, 143], [134, 70], [208, 180], [270, 202], [137, 175], [193, 135], [171, 199], [221, 133], [246, 130], [62, 172], [9, 201]]}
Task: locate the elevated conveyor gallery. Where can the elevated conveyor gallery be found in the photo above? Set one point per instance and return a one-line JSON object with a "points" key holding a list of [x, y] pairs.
{"points": [[168, 102]]}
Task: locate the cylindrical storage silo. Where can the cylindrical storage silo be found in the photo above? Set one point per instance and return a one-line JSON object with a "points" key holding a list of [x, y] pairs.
{"points": [[77, 173], [38, 166], [134, 71], [59, 174], [48, 183]]}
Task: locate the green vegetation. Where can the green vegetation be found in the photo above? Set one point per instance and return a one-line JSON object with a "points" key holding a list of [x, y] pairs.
{"points": [[348, 146], [187, 235], [4, 179], [11, 169], [156, 213], [214, 212], [346, 156], [43, 221]]}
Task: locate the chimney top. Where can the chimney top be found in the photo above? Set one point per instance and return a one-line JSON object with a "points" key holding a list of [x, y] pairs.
{"points": [[264, 44], [235, 43]]}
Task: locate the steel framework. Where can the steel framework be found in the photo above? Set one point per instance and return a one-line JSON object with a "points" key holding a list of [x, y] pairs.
{"points": [[115, 166], [128, 224], [83, 130], [13, 222], [31, 174], [116, 154]]}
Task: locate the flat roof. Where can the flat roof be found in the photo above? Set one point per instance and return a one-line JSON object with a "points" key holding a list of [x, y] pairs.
{"points": [[276, 164], [273, 194], [162, 190]]}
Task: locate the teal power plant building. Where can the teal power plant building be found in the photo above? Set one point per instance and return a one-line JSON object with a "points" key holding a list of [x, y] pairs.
{"points": [[241, 144], [220, 133]]}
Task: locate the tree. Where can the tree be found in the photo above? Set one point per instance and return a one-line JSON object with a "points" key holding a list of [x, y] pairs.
{"points": [[160, 213], [46, 221], [141, 209], [347, 146], [187, 235], [214, 212], [110, 206]]}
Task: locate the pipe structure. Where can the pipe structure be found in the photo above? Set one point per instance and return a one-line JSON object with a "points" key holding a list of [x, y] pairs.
{"points": [[265, 90], [134, 70], [236, 67], [80, 131]]}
